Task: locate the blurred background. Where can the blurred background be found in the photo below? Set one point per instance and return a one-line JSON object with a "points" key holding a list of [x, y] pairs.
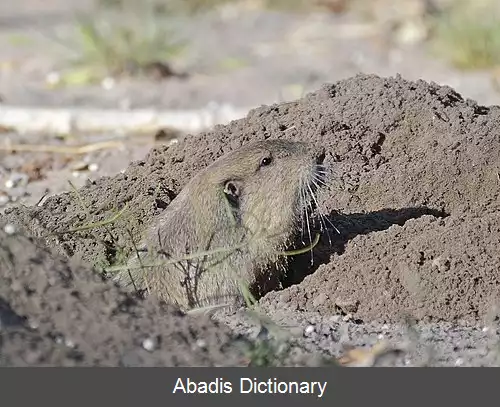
{"points": [[198, 58], [183, 54]]}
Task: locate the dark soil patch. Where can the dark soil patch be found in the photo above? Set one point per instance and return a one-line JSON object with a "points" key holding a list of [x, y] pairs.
{"points": [[415, 195], [57, 312]]}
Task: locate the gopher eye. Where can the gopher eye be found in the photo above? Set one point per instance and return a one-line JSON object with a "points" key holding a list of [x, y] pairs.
{"points": [[266, 161]]}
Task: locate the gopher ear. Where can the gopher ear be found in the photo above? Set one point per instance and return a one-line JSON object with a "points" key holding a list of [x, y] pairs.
{"points": [[232, 189]]}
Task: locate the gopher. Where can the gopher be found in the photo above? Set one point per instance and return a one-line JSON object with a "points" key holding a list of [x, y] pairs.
{"points": [[227, 227]]}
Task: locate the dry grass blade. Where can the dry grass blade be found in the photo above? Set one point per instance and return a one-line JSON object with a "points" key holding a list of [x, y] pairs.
{"points": [[207, 309], [304, 249], [89, 226], [198, 255], [187, 257], [76, 150]]}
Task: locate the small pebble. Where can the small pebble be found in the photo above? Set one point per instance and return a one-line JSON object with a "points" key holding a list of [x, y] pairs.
{"points": [[201, 343], [16, 179], [53, 78], [33, 324], [4, 199], [108, 83], [347, 318], [69, 343], [148, 344], [9, 228], [309, 330], [93, 167], [459, 362]]}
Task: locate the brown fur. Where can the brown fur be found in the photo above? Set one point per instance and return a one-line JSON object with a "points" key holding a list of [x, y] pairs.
{"points": [[237, 203]]}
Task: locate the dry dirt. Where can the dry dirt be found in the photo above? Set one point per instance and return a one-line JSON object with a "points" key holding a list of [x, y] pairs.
{"points": [[414, 195], [62, 313]]}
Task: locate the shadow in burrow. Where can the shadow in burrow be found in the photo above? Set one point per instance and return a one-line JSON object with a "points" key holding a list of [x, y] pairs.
{"points": [[341, 229]]}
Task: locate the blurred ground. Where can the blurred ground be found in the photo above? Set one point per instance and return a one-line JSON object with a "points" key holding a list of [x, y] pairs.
{"points": [[240, 54]]}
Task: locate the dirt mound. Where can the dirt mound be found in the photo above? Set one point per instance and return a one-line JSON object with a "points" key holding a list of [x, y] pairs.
{"points": [[430, 269], [399, 150], [55, 312]]}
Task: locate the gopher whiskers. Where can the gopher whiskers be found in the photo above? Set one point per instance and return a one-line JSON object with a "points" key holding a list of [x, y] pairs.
{"points": [[320, 175], [317, 182], [321, 216], [331, 224], [303, 212], [305, 203]]}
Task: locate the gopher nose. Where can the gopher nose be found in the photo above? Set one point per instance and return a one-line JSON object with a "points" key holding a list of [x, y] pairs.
{"points": [[319, 153]]}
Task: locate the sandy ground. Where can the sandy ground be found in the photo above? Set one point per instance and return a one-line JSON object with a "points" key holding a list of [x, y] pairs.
{"points": [[414, 196]]}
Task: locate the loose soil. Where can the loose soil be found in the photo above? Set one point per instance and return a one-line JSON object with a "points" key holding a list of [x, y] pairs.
{"points": [[414, 194], [58, 312]]}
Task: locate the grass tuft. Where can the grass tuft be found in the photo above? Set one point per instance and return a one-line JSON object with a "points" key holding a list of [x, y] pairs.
{"points": [[129, 39], [468, 35]]}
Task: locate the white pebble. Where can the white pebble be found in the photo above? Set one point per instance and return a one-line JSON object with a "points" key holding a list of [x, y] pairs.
{"points": [[108, 83], [4, 199], [486, 329], [459, 362], [93, 167], [201, 343], [69, 343], [148, 344], [53, 78], [9, 228], [309, 330], [380, 336], [16, 179], [33, 324]]}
